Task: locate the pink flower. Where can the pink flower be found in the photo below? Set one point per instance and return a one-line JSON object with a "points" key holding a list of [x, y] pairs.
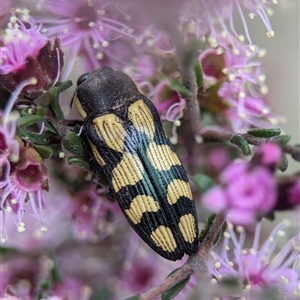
{"points": [[20, 277], [85, 27], [245, 195], [294, 193], [20, 43], [28, 54], [208, 18], [90, 215], [257, 268], [71, 288], [268, 155], [239, 84], [23, 176]]}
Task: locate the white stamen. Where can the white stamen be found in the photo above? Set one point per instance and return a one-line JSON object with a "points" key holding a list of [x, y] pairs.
{"points": [[248, 287], [240, 229], [262, 77], [264, 90], [227, 235], [242, 95], [199, 139], [100, 56], [241, 38], [61, 154], [177, 123], [251, 16], [252, 48], [173, 140], [105, 44], [284, 280], [44, 229]]}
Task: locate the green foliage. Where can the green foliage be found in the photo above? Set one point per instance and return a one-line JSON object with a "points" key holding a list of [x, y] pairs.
{"points": [[75, 161], [242, 144], [264, 132], [205, 230], [175, 85], [7, 250], [270, 294], [281, 140], [199, 74], [230, 282], [176, 289], [203, 182], [136, 297], [284, 164], [30, 120], [296, 153], [40, 139], [73, 143], [54, 104], [44, 151]]}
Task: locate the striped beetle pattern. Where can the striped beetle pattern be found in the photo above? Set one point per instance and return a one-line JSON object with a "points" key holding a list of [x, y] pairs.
{"points": [[146, 177]]}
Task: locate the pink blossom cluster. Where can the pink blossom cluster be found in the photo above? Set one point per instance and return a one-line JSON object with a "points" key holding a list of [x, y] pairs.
{"points": [[62, 235]]}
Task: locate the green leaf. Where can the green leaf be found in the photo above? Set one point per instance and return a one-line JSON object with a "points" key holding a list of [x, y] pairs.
{"points": [[283, 164], [199, 74], [136, 297], [203, 182], [205, 230], [57, 109], [231, 282], [242, 144], [55, 92], [44, 151], [75, 161], [41, 111], [175, 85], [73, 143], [296, 153], [29, 120], [35, 138], [7, 250], [176, 289], [64, 86], [270, 293], [27, 111], [264, 132], [50, 127], [281, 140]]}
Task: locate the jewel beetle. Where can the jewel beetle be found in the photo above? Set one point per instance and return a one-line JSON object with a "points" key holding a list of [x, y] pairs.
{"points": [[146, 177]]}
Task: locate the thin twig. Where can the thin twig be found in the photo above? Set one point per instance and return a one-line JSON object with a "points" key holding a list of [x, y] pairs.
{"points": [[252, 140]]}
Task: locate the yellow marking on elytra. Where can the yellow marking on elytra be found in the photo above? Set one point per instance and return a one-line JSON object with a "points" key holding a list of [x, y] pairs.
{"points": [[178, 188], [96, 153], [79, 107], [127, 172], [163, 238], [162, 157], [110, 128], [187, 227], [139, 205], [141, 117]]}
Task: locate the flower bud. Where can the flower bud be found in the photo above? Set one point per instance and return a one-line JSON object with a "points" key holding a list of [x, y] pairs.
{"points": [[27, 54]]}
